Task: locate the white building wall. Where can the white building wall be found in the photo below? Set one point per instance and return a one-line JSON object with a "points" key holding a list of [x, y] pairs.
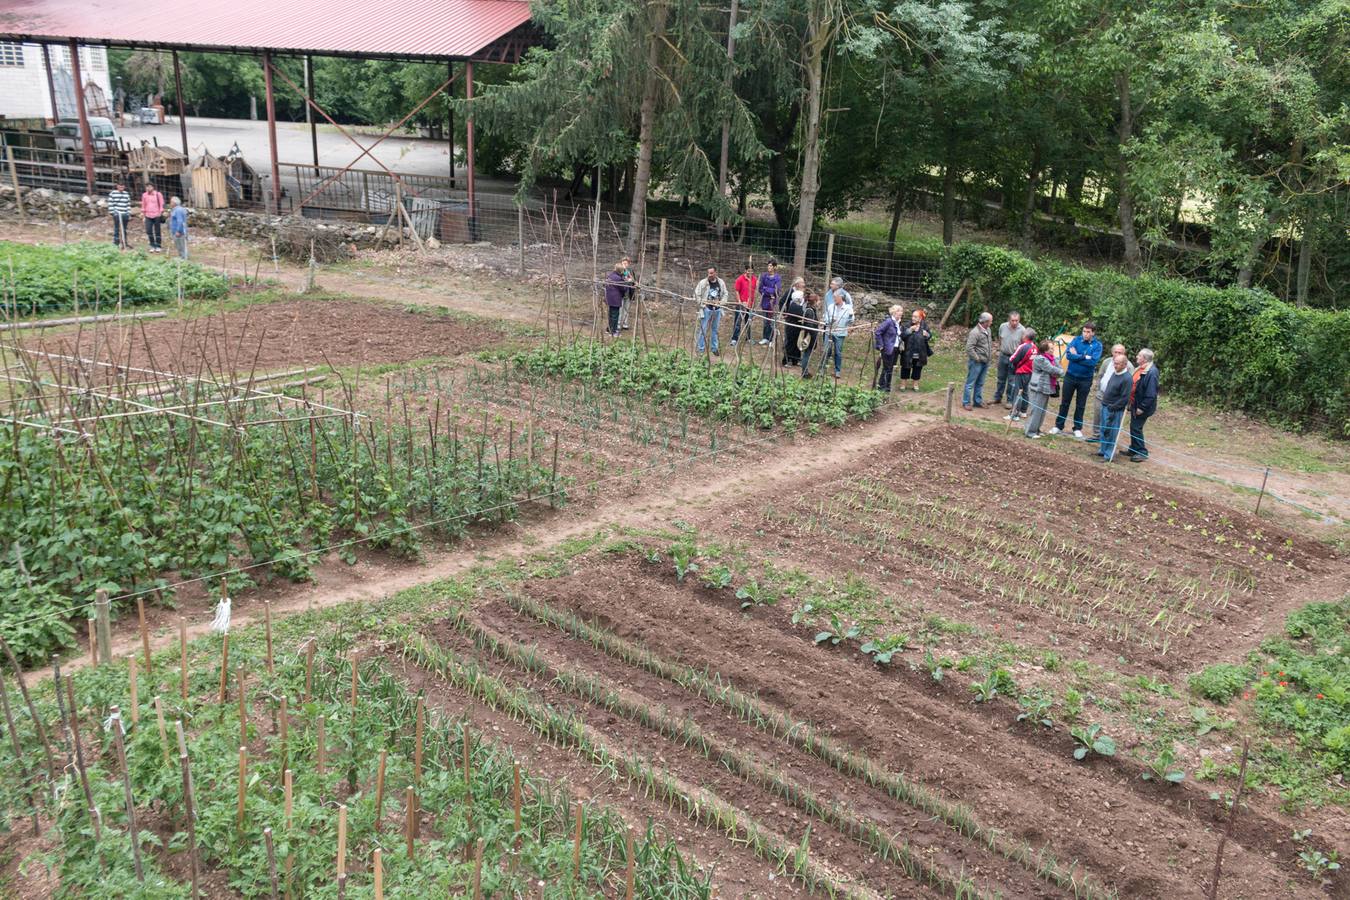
{"points": [[23, 78]]}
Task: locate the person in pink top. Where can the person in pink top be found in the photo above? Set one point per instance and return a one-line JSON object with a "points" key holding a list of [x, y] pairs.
{"points": [[152, 209], [746, 285]]}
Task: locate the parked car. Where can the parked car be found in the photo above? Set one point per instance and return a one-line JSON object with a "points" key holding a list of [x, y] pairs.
{"points": [[67, 135]]}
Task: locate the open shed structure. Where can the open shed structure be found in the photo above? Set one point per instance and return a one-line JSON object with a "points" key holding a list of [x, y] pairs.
{"points": [[457, 33]]}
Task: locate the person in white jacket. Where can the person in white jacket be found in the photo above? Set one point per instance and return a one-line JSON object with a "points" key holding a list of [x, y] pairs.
{"points": [[835, 318], [711, 293]]}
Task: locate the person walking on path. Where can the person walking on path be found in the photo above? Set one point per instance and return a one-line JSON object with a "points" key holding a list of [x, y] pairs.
{"points": [[1080, 366], [152, 210], [886, 339], [810, 330], [1009, 336], [711, 293], [178, 226], [979, 346], [770, 286], [834, 322], [793, 305], [917, 338], [1104, 375], [1041, 386], [614, 294], [119, 208], [745, 301], [1115, 387], [629, 291], [1143, 403], [1023, 358]]}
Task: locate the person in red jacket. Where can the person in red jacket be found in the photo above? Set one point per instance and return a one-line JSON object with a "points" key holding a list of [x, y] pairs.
{"points": [[745, 287], [1021, 363]]}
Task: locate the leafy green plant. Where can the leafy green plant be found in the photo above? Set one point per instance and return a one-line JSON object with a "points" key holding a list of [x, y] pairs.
{"points": [[1036, 707], [46, 277], [752, 594], [1091, 739], [1319, 864], [882, 651], [682, 555], [1162, 768], [837, 633], [1073, 704], [997, 680], [1220, 682], [34, 618]]}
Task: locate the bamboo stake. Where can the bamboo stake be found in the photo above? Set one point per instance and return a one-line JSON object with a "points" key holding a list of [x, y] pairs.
{"points": [[468, 766], [191, 813], [630, 877], [353, 682], [120, 740], [377, 864], [93, 643], [163, 732], [243, 774], [224, 666], [272, 861], [417, 746], [309, 669], [135, 705], [409, 822], [342, 886], [379, 790], [267, 620], [145, 636], [478, 871], [243, 708], [79, 754], [182, 657], [515, 797], [288, 793], [342, 841], [320, 757], [283, 723]]}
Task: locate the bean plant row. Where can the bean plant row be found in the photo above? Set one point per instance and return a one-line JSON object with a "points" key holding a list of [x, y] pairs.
{"points": [[732, 393]]}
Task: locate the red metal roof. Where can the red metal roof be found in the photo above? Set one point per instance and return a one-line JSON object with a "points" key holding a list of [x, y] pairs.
{"points": [[390, 28]]}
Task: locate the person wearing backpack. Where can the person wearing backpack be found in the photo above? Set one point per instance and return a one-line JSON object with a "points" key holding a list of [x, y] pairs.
{"points": [[1041, 386], [1021, 363], [886, 339]]}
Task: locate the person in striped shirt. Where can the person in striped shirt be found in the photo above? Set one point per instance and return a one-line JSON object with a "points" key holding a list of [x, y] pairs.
{"points": [[119, 207]]}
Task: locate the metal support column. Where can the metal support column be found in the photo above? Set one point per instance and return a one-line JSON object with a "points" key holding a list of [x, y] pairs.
{"points": [[86, 136], [450, 132], [309, 114], [178, 97], [468, 147], [51, 84], [272, 132]]}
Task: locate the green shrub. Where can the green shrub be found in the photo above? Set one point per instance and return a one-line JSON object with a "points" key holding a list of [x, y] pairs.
{"points": [[34, 618], [1234, 347], [45, 278], [1220, 682]]}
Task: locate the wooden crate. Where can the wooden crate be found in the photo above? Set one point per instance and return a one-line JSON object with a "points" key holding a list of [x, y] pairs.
{"points": [[156, 160], [209, 188]]}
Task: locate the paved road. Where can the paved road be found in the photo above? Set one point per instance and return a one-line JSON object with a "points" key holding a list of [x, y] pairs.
{"points": [[402, 154]]}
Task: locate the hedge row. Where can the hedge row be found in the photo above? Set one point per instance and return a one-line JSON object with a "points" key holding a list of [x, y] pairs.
{"points": [[40, 279], [1235, 347]]}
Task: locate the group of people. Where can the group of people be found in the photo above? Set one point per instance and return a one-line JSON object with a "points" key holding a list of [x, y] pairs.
{"points": [[152, 209], [1030, 377]]}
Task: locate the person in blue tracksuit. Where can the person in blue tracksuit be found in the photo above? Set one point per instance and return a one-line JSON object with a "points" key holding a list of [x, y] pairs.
{"points": [[1080, 370]]}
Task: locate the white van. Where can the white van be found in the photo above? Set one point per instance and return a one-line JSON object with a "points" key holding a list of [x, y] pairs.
{"points": [[67, 135]]}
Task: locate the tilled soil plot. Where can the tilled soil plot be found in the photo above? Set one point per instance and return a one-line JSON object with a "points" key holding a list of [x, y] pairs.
{"points": [[270, 336], [1005, 809], [975, 527]]}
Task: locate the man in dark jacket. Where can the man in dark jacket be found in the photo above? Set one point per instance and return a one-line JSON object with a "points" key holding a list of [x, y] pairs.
{"points": [[1115, 388], [1143, 403], [1081, 358]]}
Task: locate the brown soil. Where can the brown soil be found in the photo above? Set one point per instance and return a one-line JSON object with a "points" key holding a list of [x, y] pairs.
{"points": [[288, 334], [1141, 841]]}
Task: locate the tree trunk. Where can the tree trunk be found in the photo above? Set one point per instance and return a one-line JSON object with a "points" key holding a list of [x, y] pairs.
{"points": [[1134, 259], [1258, 242], [817, 40], [637, 213], [948, 202], [1033, 187], [780, 190], [895, 216], [1305, 255]]}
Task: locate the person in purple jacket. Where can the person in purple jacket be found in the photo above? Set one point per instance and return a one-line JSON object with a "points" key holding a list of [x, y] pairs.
{"points": [[886, 338], [616, 286], [770, 286]]}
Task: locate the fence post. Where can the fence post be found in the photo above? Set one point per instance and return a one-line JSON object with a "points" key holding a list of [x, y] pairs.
{"points": [[103, 624], [1260, 496], [829, 259], [520, 235], [951, 390], [14, 177], [660, 256]]}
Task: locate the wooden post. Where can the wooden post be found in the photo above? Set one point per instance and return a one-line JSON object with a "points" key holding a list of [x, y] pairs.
{"points": [[243, 775], [163, 732], [630, 876], [409, 820], [515, 796], [224, 666], [353, 682], [1261, 496], [951, 391], [468, 770], [190, 812], [520, 227], [309, 669], [377, 865], [288, 799], [18, 194], [103, 625], [829, 260], [135, 702], [660, 256], [379, 789], [145, 636], [182, 654], [478, 870], [283, 729], [93, 643], [120, 740], [243, 708], [965, 285], [576, 843], [319, 757], [342, 841], [267, 620], [272, 861], [417, 745]]}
